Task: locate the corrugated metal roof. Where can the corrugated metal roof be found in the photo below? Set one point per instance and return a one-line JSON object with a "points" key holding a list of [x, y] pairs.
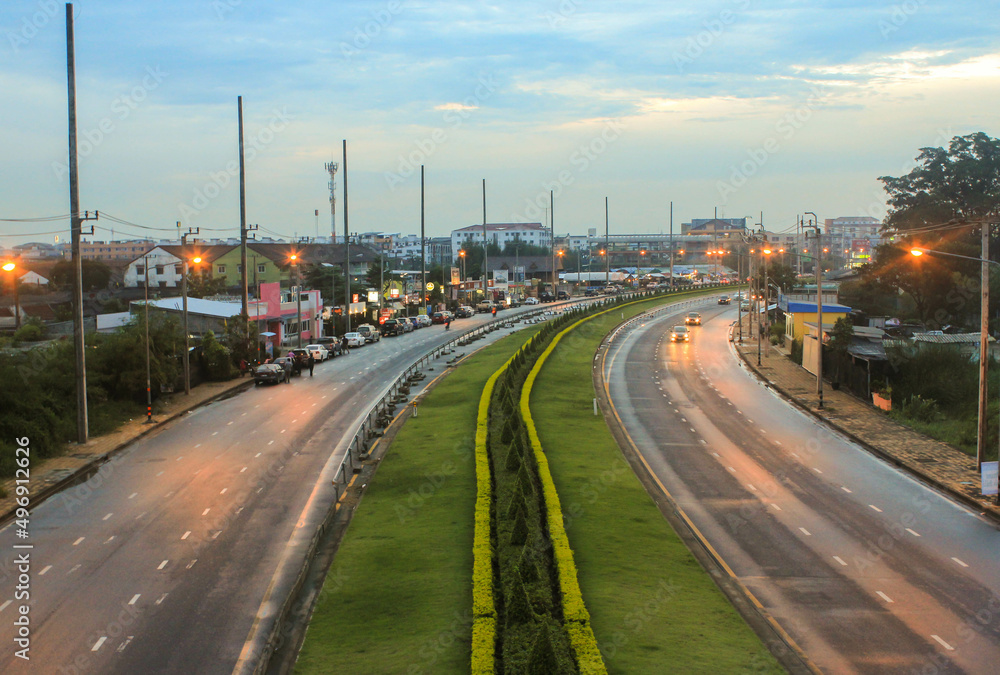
{"points": [[949, 339]]}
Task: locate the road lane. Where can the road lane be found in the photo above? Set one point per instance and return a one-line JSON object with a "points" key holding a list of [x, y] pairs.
{"points": [[854, 559], [161, 562]]}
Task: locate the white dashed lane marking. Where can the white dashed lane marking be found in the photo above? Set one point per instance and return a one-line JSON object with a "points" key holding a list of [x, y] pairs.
{"points": [[135, 598], [840, 560], [163, 564], [97, 645], [77, 542], [186, 535], [875, 508], [805, 531], [960, 562], [883, 596], [943, 643]]}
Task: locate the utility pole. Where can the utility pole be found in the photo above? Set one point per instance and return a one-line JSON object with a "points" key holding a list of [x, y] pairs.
{"points": [[607, 246], [819, 307], [145, 306], [347, 250], [82, 426], [486, 252], [984, 328], [245, 294], [671, 245], [184, 309], [552, 228], [423, 248]]}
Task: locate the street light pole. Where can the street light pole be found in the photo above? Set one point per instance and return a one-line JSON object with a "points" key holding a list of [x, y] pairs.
{"points": [[819, 307], [149, 394], [10, 267], [298, 301]]}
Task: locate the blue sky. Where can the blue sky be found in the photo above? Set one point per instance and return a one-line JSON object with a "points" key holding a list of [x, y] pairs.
{"points": [[748, 107]]}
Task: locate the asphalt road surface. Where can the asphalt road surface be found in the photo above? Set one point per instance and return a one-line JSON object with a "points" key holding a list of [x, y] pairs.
{"points": [[162, 562], [869, 570]]}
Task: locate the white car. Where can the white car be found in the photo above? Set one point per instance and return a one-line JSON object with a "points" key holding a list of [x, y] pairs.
{"points": [[531, 301], [424, 320], [354, 339], [319, 352]]}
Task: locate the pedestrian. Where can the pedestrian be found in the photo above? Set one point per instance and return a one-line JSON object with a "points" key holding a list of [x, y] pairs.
{"points": [[287, 367], [347, 346], [312, 363], [243, 367]]}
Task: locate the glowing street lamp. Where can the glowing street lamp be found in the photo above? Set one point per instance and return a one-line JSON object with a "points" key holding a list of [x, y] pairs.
{"points": [[10, 267]]}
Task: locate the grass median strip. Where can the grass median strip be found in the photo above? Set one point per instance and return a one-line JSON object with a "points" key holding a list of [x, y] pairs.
{"points": [[652, 607], [398, 597]]}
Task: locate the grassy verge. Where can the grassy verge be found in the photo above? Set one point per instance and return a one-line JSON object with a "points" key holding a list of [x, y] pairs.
{"points": [[652, 607], [398, 598]]}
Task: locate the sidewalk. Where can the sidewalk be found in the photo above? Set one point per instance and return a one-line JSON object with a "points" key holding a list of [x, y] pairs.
{"points": [[53, 474], [939, 464]]}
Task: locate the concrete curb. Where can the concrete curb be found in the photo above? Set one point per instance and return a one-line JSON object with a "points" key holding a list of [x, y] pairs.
{"points": [[49, 491], [989, 510]]}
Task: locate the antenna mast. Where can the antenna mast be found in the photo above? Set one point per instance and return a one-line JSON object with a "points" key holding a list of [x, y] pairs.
{"points": [[331, 168]]}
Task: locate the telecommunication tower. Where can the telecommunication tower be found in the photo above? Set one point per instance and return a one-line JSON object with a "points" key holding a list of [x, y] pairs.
{"points": [[331, 168]]}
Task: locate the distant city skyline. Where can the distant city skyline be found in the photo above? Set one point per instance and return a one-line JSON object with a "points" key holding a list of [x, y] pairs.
{"points": [[773, 107]]}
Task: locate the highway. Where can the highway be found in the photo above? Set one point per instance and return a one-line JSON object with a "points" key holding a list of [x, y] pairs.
{"points": [[867, 569], [163, 562]]}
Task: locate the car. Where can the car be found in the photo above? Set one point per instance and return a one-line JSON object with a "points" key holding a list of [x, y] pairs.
{"points": [[745, 305], [724, 300], [563, 295], [692, 319], [391, 327], [486, 306], [591, 293], [531, 300], [424, 320], [406, 324], [464, 312], [269, 373], [680, 334], [331, 343], [319, 352], [545, 296], [369, 332], [292, 366], [354, 339], [610, 290], [301, 357]]}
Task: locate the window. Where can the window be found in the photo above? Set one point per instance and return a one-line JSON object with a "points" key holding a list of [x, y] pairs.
{"points": [[222, 269], [159, 270], [141, 270], [239, 269], [263, 268]]}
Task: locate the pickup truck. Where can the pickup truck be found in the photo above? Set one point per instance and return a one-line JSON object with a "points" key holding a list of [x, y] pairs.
{"points": [[486, 306]]}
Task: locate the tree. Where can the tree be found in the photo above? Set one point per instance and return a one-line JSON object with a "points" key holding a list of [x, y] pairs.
{"points": [[959, 184], [96, 274], [327, 280], [216, 358], [242, 339], [200, 284], [840, 336], [783, 276]]}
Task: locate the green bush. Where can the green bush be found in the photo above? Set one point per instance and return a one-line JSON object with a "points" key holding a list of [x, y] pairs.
{"points": [[919, 408], [218, 365], [797, 351], [29, 332]]}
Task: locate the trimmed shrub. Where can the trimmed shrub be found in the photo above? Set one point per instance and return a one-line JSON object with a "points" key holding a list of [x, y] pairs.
{"points": [[519, 534], [543, 660]]}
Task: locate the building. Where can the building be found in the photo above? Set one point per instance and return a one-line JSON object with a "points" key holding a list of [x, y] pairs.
{"points": [[852, 238], [36, 251], [114, 250], [501, 234], [714, 226]]}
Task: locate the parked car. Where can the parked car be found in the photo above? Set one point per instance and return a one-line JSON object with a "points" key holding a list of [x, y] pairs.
{"points": [[406, 323], [269, 373], [424, 319], [289, 366], [563, 295], [442, 317], [301, 356], [531, 300], [692, 319], [464, 312], [369, 332], [331, 343], [680, 334], [354, 339], [724, 300], [319, 352], [391, 327]]}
